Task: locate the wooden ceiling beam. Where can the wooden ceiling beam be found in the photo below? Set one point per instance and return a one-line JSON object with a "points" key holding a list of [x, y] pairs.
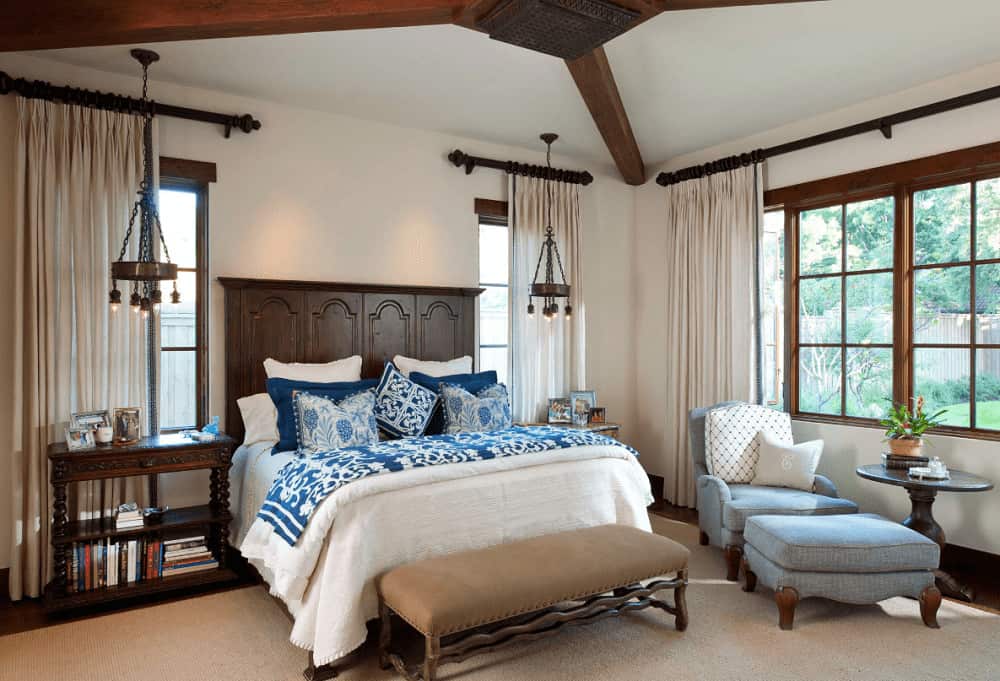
{"points": [[596, 83], [51, 24]]}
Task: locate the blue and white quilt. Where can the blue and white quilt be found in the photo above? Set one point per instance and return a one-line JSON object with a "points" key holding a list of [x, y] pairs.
{"points": [[304, 483]]}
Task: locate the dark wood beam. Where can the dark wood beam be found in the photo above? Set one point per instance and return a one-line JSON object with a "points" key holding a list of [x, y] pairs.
{"points": [[50, 24], [593, 77]]}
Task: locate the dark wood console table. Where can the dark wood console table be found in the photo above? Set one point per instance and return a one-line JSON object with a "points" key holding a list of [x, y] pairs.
{"points": [[150, 456], [921, 519]]}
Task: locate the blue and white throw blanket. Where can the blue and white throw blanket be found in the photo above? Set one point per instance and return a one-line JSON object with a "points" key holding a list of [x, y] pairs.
{"points": [[305, 482]]}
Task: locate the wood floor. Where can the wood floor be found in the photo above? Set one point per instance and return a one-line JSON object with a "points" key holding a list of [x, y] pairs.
{"points": [[30, 614]]}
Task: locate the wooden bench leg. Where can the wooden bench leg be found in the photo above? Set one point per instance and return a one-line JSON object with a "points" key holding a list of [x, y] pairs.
{"points": [[384, 635], [751, 577], [930, 601], [431, 654], [733, 556], [680, 601], [787, 598]]}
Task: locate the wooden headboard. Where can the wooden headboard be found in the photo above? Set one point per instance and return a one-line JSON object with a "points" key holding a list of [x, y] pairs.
{"points": [[310, 321]]}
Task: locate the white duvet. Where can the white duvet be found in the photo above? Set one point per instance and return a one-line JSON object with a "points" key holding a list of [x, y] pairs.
{"points": [[377, 523]]}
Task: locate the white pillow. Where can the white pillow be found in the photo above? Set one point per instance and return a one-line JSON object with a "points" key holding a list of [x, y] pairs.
{"points": [[459, 365], [337, 371], [260, 418], [731, 447], [784, 465]]}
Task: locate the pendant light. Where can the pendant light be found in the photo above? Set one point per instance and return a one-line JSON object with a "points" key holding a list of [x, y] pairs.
{"points": [[549, 289], [146, 271]]}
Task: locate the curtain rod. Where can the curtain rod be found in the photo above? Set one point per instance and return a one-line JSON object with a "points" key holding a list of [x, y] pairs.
{"points": [[883, 125], [39, 89], [460, 159]]}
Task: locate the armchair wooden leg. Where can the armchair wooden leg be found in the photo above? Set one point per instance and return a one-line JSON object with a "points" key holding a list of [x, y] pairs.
{"points": [[787, 598], [930, 601], [733, 556], [751, 578], [703, 538]]}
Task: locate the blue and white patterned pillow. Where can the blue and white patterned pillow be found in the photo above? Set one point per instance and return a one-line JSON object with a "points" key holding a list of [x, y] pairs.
{"points": [[323, 424], [488, 409], [402, 407]]}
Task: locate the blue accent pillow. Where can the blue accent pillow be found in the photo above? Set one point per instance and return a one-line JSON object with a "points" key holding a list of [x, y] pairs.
{"points": [[471, 382], [282, 392], [488, 409], [324, 424], [403, 408]]}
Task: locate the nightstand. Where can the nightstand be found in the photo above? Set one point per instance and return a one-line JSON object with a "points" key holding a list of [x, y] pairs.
{"points": [[609, 429], [149, 456]]}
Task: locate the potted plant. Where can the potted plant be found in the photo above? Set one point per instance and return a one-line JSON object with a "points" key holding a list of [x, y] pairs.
{"points": [[905, 427]]}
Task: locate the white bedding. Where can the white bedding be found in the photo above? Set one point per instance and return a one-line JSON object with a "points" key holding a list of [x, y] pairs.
{"points": [[379, 522]]}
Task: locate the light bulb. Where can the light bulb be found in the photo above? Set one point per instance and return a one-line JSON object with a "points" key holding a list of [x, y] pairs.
{"points": [[115, 306]]}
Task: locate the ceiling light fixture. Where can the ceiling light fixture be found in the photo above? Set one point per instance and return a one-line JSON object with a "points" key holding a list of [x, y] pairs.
{"points": [[549, 289], [146, 268]]}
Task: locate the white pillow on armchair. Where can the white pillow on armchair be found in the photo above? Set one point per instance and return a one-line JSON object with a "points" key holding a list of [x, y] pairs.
{"points": [[731, 444], [784, 465]]}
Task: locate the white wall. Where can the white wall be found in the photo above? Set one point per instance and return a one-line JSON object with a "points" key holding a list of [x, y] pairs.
{"points": [[965, 518], [319, 196]]}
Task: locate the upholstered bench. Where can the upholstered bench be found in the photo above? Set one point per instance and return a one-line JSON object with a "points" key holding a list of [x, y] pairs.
{"points": [[485, 599], [862, 558]]}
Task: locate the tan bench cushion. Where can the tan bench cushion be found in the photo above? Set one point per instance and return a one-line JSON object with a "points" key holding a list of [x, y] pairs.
{"points": [[443, 595]]}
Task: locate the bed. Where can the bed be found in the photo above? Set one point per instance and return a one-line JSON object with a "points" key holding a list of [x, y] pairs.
{"points": [[326, 580]]}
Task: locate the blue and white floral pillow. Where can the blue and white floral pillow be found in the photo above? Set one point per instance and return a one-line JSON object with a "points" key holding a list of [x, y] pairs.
{"points": [[403, 408], [323, 424], [488, 409]]}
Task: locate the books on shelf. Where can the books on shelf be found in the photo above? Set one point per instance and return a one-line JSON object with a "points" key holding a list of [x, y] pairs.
{"points": [[113, 562], [128, 516]]}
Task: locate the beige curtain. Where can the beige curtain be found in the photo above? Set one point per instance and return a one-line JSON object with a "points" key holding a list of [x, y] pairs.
{"points": [[76, 175], [710, 345], [548, 357]]}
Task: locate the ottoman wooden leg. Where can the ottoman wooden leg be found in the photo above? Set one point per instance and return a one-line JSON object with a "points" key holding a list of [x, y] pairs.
{"points": [[930, 601], [787, 598], [431, 654], [703, 538], [733, 556], [751, 578]]}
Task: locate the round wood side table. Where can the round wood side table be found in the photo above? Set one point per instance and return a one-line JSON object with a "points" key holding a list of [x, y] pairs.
{"points": [[921, 519]]}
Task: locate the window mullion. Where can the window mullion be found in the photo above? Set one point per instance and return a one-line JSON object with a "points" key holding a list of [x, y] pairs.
{"points": [[903, 297], [843, 309], [973, 315]]}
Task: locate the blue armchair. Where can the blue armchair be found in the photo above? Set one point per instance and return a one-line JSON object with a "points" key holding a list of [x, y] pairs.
{"points": [[723, 508]]}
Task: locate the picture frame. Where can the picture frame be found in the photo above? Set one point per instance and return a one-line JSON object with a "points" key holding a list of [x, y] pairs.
{"points": [[90, 419], [80, 438], [580, 402], [598, 415], [127, 425], [559, 411]]}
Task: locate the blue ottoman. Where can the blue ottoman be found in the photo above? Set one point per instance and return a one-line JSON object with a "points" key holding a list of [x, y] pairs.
{"points": [[861, 558]]}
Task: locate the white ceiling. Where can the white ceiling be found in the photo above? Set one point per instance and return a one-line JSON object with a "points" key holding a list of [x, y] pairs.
{"points": [[688, 80]]}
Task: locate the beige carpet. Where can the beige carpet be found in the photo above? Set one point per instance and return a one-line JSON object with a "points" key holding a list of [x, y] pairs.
{"points": [[242, 635]]}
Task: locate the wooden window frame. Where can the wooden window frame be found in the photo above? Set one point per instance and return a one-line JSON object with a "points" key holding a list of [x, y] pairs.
{"points": [[194, 176], [899, 180]]}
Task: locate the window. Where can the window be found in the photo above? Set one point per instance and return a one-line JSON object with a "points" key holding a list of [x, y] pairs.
{"points": [[494, 302], [895, 291], [845, 311], [182, 327], [773, 307]]}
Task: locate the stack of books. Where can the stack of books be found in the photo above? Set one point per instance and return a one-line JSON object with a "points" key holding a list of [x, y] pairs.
{"points": [[181, 556], [111, 562], [129, 516]]}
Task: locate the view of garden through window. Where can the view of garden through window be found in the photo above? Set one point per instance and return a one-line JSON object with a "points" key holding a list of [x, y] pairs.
{"points": [[846, 308], [178, 336], [494, 276]]}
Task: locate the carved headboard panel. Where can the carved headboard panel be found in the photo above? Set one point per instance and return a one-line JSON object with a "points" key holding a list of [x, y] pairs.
{"points": [[306, 321]]}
